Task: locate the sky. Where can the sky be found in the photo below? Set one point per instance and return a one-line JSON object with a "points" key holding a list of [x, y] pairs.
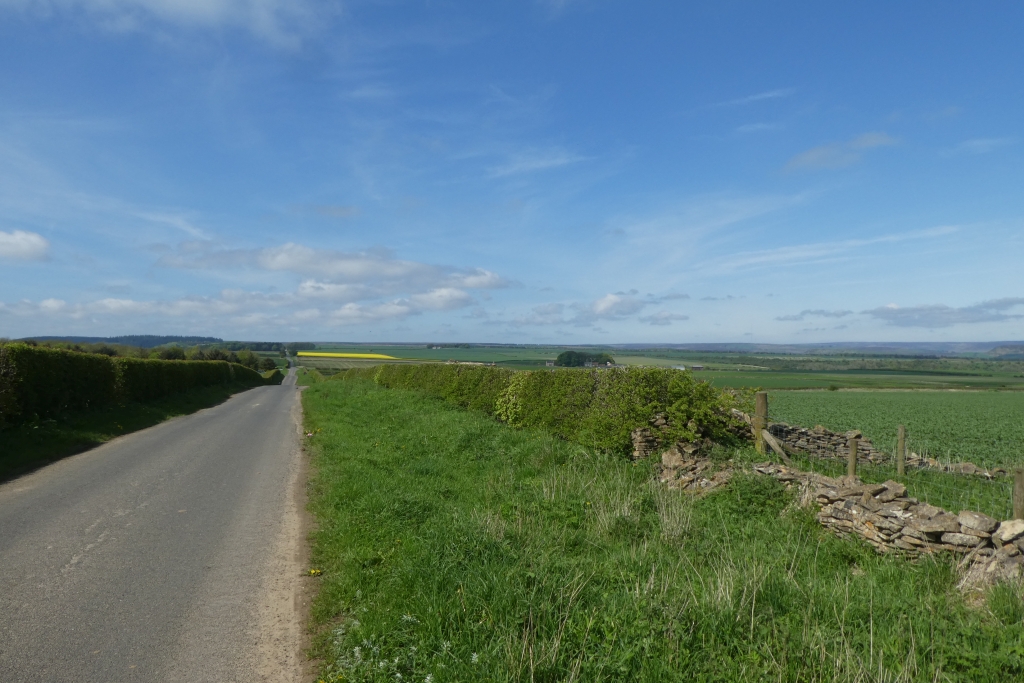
{"points": [[528, 171]]}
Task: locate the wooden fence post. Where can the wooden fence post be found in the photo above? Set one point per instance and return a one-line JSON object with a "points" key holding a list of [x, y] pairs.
{"points": [[1018, 494], [851, 463], [760, 420], [901, 450]]}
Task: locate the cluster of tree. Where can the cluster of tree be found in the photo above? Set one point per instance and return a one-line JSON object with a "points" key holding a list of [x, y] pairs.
{"points": [[143, 341], [577, 359], [244, 357], [449, 346], [292, 347], [254, 346]]}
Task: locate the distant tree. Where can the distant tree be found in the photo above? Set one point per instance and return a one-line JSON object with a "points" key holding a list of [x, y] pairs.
{"points": [[172, 353], [268, 364], [577, 359], [571, 359], [249, 359], [216, 354], [195, 353], [292, 347]]}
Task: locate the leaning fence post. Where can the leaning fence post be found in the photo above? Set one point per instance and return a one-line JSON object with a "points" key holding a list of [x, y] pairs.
{"points": [[901, 450], [851, 463], [1018, 494], [760, 419]]}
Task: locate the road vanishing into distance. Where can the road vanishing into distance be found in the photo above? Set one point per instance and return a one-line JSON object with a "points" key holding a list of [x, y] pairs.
{"points": [[171, 554]]}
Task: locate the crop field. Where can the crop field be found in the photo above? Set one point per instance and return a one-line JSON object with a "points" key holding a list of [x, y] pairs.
{"points": [[983, 427], [734, 370]]}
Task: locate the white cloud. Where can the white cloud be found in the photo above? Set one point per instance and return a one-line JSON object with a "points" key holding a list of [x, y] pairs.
{"points": [[332, 266], [819, 313], [839, 154], [441, 299], [616, 305], [20, 245], [940, 315]]}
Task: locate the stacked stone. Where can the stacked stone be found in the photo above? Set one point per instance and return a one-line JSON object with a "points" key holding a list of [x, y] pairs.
{"points": [[824, 443], [644, 442], [683, 468], [969, 468], [647, 440], [884, 516]]}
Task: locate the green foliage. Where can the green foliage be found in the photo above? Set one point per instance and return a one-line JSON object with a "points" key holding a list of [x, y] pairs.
{"points": [[39, 382], [577, 359], [172, 353], [597, 408], [453, 548], [267, 363]]}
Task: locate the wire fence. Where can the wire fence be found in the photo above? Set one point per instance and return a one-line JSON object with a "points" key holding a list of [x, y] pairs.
{"points": [[951, 491]]}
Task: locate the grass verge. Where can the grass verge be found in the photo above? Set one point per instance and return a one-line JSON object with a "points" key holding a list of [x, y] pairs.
{"points": [[453, 548], [29, 446]]}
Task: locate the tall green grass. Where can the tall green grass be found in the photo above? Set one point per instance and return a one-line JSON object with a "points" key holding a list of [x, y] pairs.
{"points": [[455, 548]]}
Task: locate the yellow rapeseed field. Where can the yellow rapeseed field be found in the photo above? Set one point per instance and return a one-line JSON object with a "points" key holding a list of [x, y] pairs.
{"points": [[364, 356]]}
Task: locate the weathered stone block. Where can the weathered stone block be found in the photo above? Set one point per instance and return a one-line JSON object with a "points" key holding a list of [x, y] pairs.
{"points": [[1009, 530], [978, 521], [961, 539]]}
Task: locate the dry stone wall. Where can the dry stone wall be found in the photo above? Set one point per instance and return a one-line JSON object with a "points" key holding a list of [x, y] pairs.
{"points": [[823, 443], [883, 514]]}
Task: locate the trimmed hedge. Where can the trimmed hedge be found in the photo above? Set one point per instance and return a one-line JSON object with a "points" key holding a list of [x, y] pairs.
{"points": [[42, 382], [597, 408]]}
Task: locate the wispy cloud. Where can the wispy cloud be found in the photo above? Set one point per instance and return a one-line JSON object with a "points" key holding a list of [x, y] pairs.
{"points": [[817, 313], [816, 251], [756, 127], [941, 315], [662, 318], [981, 145], [618, 306], [20, 245], [533, 161], [281, 22], [336, 210], [757, 97], [839, 154]]}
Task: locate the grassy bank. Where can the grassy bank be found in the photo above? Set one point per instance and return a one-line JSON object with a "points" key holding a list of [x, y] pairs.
{"points": [[454, 548], [28, 446]]}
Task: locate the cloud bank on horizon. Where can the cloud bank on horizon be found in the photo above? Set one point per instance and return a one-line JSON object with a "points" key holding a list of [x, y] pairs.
{"points": [[550, 172]]}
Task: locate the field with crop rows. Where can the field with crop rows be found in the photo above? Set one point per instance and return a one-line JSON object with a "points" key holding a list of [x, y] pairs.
{"points": [[982, 427]]}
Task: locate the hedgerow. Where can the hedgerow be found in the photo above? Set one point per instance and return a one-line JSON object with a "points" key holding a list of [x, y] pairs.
{"points": [[38, 382], [597, 408]]}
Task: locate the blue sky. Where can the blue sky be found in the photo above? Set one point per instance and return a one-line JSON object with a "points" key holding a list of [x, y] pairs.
{"points": [[531, 171]]}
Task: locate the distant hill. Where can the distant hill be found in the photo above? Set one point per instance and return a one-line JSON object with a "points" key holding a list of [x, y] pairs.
{"points": [[1008, 352], [146, 341], [832, 348]]}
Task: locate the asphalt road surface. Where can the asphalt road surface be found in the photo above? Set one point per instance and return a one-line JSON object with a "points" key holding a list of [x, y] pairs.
{"points": [[171, 554]]}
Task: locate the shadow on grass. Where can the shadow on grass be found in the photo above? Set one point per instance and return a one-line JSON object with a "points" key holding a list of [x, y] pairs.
{"points": [[27, 447]]}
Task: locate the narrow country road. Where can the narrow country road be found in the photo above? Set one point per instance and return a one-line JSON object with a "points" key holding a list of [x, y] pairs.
{"points": [[171, 554]]}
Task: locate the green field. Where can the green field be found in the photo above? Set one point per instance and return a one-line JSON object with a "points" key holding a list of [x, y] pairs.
{"points": [[983, 427], [733, 370], [456, 548]]}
